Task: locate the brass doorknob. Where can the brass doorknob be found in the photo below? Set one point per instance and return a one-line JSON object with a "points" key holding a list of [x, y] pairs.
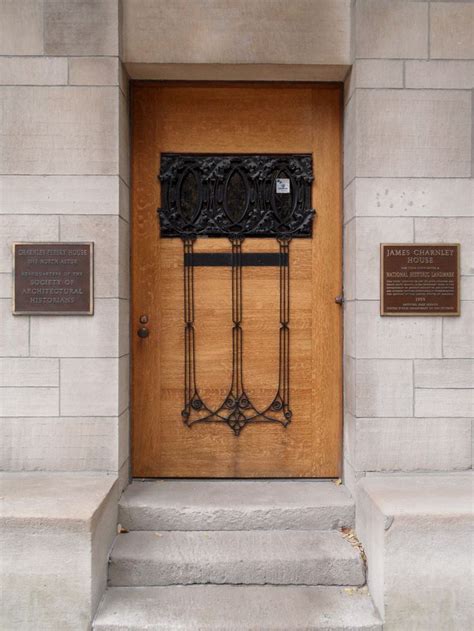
{"points": [[143, 332]]}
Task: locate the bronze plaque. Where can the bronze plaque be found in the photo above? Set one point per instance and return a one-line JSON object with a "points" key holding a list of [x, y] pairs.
{"points": [[419, 279], [53, 278]]}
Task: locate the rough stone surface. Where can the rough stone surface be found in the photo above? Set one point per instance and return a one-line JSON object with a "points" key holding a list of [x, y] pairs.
{"points": [[349, 328], [21, 27], [124, 135], [412, 197], [82, 27], [62, 444], [123, 445], [34, 499], [349, 201], [378, 73], [350, 140], [124, 201], [235, 505], [80, 139], [36, 401], [369, 234], [391, 28], [417, 534], [59, 195], [350, 404], [276, 557], [428, 133], [28, 372], [23, 228], [457, 333], [373, 73], [410, 444], [124, 265], [387, 337], [449, 230], [14, 340], [78, 336], [467, 287], [383, 387], [236, 608], [93, 71], [350, 269], [5, 285], [104, 232], [303, 32], [444, 402], [124, 380], [452, 26], [57, 529], [96, 393], [440, 74], [444, 373], [33, 71]]}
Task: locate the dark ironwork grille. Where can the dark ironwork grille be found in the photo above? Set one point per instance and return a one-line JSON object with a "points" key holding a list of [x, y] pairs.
{"points": [[236, 196]]}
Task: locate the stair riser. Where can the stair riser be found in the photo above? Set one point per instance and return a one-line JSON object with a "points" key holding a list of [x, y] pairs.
{"points": [[236, 608], [144, 518], [236, 505], [329, 572]]}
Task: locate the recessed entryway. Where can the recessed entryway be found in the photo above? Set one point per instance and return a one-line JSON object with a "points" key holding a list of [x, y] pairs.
{"points": [[237, 338]]}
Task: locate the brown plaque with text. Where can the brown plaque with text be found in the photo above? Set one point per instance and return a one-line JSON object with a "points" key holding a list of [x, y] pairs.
{"points": [[419, 279], [53, 278]]}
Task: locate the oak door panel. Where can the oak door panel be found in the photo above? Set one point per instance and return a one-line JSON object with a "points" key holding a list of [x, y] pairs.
{"points": [[236, 119]]}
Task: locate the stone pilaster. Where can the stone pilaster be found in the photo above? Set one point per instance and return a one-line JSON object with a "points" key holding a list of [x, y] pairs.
{"points": [[408, 160], [64, 175]]}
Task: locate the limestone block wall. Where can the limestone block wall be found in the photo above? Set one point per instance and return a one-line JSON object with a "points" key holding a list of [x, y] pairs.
{"points": [[408, 169], [237, 39], [64, 175]]}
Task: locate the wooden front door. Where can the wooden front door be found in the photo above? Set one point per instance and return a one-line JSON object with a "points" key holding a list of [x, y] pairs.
{"points": [[238, 372]]}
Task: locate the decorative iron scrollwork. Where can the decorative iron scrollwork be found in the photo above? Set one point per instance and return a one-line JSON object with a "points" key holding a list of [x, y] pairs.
{"points": [[235, 195], [237, 409]]}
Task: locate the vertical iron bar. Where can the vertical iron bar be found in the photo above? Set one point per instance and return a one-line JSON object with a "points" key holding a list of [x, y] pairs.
{"points": [[237, 376], [189, 356], [284, 364]]}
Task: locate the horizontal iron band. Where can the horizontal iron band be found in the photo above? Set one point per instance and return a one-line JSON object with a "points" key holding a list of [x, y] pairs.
{"points": [[225, 259]]}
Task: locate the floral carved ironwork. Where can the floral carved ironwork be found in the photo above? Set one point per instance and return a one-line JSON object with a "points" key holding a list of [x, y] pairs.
{"points": [[235, 196]]}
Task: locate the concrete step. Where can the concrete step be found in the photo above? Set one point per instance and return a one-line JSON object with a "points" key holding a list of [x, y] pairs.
{"points": [[259, 557], [235, 505], [236, 608]]}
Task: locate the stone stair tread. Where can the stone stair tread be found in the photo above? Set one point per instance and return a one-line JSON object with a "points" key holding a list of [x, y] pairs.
{"points": [[236, 608], [235, 505], [236, 557]]}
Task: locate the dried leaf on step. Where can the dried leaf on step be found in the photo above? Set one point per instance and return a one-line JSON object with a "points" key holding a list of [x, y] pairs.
{"points": [[356, 590], [350, 536]]}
